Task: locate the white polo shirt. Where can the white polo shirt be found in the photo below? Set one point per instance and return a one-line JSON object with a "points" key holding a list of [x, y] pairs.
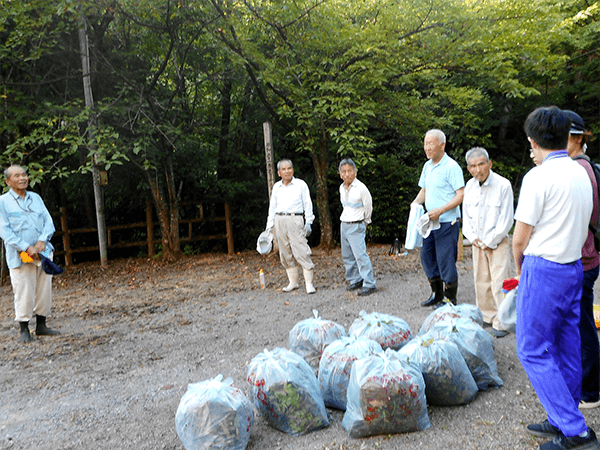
{"points": [[556, 199]]}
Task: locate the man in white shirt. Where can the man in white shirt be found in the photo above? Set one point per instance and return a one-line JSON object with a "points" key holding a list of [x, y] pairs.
{"points": [[487, 218], [291, 214], [552, 217], [358, 206]]}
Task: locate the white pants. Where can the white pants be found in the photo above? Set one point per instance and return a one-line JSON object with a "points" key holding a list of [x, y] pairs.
{"points": [[32, 288], [491, 268], [290, 235]]}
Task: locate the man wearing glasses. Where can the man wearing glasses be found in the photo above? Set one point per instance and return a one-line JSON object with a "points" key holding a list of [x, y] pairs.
{"points": [[26, 227]]}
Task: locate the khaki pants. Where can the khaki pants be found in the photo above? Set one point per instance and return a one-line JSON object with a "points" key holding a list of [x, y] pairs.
{"points": [[289, 232], [32, 289], [490, 269]]}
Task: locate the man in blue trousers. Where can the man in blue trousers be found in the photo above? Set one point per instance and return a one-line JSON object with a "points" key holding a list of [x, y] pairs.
{"points": [[358, 206], [442, 189], [554, 209]]}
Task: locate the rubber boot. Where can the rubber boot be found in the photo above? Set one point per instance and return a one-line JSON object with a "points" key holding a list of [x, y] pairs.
{"points": [[41, 329], [308, 279], [437, 292], [25, 336], [292, 274], [450, 292]]}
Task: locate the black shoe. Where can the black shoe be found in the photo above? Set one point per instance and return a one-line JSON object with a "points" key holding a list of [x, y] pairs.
{"points": [[25, 336], [450, 292], [562, 442], [497, 333], [366, 291], [437, 292], [41, 329], [544, 429], [354, 286]]}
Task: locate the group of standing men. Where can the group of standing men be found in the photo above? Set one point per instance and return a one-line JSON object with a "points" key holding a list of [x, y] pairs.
{"points": [[553, 247], [556, 216], [291, 216]]}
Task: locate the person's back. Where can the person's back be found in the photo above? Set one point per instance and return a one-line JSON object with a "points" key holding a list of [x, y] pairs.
{"points": [[559, 206]]}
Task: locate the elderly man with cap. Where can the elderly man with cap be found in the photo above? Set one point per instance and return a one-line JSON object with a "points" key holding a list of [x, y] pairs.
{"points": [[442, 187], [26, 228], [590, 348], [291, 214], [488, 211], [552, 217]]}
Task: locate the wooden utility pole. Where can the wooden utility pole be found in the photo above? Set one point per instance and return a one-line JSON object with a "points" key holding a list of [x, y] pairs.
{"points": [[270, 167], [89, 103], [269, 156]]}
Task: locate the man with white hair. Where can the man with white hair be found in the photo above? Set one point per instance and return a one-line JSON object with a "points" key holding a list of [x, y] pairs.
{"points": [[488, 211], [442, 188], [26, 228], [291, 214]]}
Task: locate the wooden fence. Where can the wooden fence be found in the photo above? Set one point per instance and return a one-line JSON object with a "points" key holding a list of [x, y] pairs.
{"points": [[149, 226]]}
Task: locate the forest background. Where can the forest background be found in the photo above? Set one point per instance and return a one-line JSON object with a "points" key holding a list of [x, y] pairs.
{"points": [[181, 89]]}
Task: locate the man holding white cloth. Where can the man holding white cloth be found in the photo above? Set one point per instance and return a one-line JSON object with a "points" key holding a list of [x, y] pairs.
{"points": [[291, 213], [488, 211]]}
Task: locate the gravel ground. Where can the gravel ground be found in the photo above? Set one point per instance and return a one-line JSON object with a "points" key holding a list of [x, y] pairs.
{"points": [[135, 334]]}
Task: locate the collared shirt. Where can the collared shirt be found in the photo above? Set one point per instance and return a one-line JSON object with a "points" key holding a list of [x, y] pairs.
{"points": [[488, 210], [357, 202], [556, 200], [292, 199], [441, 181], [23, 222]]}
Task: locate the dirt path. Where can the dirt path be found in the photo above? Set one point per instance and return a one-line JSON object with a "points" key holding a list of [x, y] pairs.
{"points": [[134, 336]]}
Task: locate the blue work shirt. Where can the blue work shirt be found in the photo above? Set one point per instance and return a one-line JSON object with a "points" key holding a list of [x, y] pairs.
{"points": [[441, 183], [23, 222]]}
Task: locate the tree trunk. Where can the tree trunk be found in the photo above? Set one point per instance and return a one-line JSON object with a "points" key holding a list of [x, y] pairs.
{"points": [[168, 219], [89, 103], [319, 156]]}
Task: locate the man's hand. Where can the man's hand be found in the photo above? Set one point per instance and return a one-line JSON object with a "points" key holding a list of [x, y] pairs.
{"points": [[435, 214], [32, 252], [479, 244], [40, 246], [307, 230]]}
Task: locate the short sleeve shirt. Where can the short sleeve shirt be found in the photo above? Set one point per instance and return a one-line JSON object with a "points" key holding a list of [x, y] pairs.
{"points": [[441, 181]]}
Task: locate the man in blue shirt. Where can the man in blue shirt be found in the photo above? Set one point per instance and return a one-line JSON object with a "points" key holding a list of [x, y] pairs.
{"points": [[442, 188], [26, 227]]}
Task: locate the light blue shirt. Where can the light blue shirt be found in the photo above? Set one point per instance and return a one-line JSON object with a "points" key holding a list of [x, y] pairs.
{"points": [[23, 222], [441, 183]]}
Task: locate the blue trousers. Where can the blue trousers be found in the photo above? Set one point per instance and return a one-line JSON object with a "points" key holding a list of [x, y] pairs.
{"points": [[439, 253], [548, 341], [590, 353], [354, 254]]}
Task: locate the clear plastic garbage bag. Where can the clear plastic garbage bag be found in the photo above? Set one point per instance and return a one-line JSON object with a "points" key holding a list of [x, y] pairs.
{"points": [[286, 392], [214, 415], [336, 364], [476, 346], [386, 395], [390, 331], [448, 380], [309, 337]]}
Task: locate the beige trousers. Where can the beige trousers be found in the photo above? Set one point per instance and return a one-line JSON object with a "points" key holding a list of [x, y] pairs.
{"points": [[490, 269], [289, 232], [32, 289]]}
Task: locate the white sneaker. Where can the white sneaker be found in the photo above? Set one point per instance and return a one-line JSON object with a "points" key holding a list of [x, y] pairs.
{"points": [[588, 405]]}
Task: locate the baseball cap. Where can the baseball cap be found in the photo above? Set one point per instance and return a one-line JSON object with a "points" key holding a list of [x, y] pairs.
{"points": [[577, 124]]}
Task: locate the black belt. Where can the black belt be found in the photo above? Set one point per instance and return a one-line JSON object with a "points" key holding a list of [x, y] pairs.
{"points": [[289, 214], [356, 221]]}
